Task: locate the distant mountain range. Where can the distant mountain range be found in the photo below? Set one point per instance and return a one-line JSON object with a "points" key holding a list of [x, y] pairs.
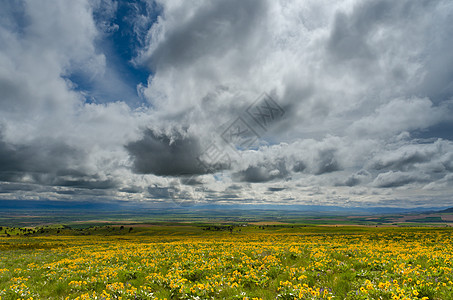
{"points": [[448, 210]]}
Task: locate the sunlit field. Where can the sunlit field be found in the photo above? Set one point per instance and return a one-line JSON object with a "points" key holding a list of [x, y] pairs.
{"points": [[247, 262]]}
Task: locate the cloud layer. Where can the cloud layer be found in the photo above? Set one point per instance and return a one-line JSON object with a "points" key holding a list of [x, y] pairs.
{"points": [[149, 101]]}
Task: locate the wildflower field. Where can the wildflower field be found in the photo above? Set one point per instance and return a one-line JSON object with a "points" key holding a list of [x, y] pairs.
{"points": [[191, 262]]}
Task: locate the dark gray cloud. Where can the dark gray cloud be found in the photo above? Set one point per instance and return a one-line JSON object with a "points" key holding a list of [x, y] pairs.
{"points": [[11, 187], [437, 83], [166, 154], [352, 181], [263, 172], [299, 166], [48, 162], [275, 189], [356, 178], [213, 30], [255, 174], [392, 179], [348, 41], [87, 184], [431, 158], [37, 159], [174, 154], [131, 189], [234, 187], [352, 38], [402, 161], [327, 162]]}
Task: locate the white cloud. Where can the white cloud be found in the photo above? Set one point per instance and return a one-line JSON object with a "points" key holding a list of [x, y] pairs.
{"points": [[358, 80], [400, 115]]}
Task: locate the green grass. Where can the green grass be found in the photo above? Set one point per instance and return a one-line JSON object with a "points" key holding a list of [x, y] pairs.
{"points": [[340, 259]]}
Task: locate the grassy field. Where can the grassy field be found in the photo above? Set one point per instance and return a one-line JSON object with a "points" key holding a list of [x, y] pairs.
{"points": [[226, 262]]}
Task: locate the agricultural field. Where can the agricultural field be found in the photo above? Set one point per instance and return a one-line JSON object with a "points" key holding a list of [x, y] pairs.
{"points": [[227, 262]]}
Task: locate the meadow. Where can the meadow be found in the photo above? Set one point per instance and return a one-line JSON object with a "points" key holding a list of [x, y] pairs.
{"points": [[226, 262]]}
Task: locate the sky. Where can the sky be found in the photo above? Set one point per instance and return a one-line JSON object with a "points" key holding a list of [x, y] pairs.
{"points": [[315, 102]]}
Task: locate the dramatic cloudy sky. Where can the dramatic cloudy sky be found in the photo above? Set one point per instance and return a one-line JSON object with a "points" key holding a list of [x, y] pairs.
{"points": [[239, 101]]}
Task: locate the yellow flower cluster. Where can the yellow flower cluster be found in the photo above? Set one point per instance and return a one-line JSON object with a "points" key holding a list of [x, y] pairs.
{"points": [[362, 264]]}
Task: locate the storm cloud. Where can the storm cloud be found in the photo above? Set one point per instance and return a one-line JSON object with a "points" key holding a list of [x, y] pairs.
{"points": [[161, 154]]}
